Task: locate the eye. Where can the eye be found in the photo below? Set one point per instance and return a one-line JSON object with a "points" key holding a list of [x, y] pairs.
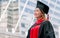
{"points": [[36, 10]]}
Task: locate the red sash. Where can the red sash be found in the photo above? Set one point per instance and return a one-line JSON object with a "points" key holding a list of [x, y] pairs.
{"points": [[35, 30]]}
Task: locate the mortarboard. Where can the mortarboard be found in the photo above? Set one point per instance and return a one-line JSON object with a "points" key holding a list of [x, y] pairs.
{"points": [[42, 7]]}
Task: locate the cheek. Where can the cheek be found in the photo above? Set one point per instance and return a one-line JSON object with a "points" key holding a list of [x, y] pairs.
{"points": [[37, 14]]}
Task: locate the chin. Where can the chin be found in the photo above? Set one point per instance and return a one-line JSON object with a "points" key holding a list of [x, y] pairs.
{"points": [[36, 17]]}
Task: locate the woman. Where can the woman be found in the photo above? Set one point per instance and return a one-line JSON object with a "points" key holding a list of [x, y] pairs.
{"points": [[42, 27]]}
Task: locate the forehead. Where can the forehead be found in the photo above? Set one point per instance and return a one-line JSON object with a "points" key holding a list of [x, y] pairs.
{"points": [[37, 9]]}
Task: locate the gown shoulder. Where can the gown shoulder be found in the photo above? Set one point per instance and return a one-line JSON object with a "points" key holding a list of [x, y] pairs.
{"points": [[46, 30]]}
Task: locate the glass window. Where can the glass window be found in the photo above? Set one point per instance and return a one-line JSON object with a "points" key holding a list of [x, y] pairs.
{"points": [[16, 0], [13, 9], [57, 8], [0, 0], [5, 0], [57, 14], [44, 1], [23, 1], [10, 29], [10, 21], [51, 5], [56, 20], [10, 18], [23, 32], [50, 11], [55, 26], [53, 0], [9, 9], [9, 26], [31, 4], [24, 15], [58, 2], [22, 25], [10, 14], [21, 7], [28, 10], [56, 33], [16, 9]]}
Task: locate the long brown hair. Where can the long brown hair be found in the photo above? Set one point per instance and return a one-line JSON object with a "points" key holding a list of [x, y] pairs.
{"points": [[43, 16]]}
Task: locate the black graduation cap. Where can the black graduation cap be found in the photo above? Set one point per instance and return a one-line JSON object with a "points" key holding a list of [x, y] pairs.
{"points": [[42, 7]]}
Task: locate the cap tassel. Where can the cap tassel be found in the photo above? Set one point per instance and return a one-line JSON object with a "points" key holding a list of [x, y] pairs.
{"points": [[47, 16]]}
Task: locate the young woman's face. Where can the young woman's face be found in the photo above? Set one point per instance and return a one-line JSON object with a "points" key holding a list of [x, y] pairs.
{"points": [[37, 13]]}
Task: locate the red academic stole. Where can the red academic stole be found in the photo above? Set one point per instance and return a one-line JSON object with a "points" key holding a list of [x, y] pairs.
{"points": [[35, 29]]}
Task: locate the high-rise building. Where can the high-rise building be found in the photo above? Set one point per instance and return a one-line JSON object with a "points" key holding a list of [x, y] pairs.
{"points": [[0, 8], [12, 15], [3, 22], [9, 17]]}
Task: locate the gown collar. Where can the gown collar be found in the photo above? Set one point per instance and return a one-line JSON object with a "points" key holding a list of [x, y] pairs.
{"points": [[39, 21]]}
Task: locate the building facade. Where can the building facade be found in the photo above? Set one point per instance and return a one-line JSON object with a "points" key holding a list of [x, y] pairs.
{"points": [[28, 17], [20, 13]]}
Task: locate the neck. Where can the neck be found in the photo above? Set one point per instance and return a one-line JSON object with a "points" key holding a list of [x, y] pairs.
{"points": [[41, 18]]}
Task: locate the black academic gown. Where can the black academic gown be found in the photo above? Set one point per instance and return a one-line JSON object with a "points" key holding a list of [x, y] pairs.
{"points": [[45, 31]]}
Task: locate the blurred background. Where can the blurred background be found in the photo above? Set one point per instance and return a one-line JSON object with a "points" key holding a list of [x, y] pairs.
{"points": [[16, 17]]}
